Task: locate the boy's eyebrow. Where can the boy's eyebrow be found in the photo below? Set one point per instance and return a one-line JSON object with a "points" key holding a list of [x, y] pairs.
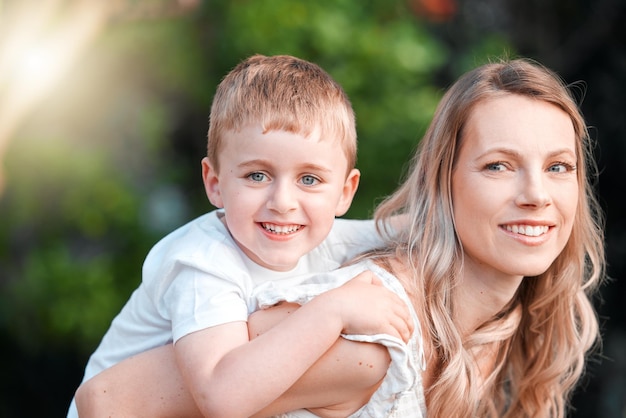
{"points": [[254, 163], [268, 163]]}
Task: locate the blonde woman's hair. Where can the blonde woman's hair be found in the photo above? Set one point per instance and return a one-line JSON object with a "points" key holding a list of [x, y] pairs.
{"points": [[541, 339], [281, 93]]}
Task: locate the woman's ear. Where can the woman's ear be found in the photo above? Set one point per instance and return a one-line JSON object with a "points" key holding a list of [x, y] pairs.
{"points": [[210, 179]]}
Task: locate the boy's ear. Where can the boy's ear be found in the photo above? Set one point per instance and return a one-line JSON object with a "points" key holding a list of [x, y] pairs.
{"points": [[211, 184], [347, 194]]}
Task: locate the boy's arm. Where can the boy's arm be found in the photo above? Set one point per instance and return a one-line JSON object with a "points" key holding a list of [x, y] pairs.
{"points": [[338, 384], [150, 384], [231, 377]]}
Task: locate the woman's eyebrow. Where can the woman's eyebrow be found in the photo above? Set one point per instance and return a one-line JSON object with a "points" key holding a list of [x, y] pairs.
{"points": [[514, 153]]}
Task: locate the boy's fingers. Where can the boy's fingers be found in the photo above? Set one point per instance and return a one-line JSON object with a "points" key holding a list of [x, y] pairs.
{"points": [[401, 330], [405, 321]]}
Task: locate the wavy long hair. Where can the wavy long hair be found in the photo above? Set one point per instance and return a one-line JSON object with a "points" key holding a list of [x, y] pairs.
{"points": [[541, 338]]}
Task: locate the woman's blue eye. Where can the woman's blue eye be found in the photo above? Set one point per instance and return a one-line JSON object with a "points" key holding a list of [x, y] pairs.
{"points": [[495, 166], [562, 168], [558, 168]]}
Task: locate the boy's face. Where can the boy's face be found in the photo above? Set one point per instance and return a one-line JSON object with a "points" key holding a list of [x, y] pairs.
{"points": [[280, 192]]}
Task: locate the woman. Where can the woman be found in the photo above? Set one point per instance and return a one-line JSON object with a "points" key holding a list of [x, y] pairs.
{"points": [[502, 251], [505, 244]]}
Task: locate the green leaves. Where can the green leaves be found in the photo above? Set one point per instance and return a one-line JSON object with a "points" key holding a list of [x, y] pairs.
{"points": [[110, 160]]}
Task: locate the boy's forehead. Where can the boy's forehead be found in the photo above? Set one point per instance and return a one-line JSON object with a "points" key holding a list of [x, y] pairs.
{"points": [[337, 140], [251, 134], [251, 146], [314, 133]]}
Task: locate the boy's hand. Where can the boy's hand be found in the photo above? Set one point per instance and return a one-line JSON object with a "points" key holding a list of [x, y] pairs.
{"points": [[368, 307]]}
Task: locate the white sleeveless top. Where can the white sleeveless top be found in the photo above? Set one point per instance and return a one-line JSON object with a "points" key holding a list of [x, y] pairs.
{"points": [[401, 393]]}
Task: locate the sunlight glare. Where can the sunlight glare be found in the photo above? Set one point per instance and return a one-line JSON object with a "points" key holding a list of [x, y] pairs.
{"points": [[36, 65], [34, 58], [33, 62]]}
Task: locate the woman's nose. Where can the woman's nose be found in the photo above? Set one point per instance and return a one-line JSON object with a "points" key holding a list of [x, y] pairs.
{"points": [[533, 191]]}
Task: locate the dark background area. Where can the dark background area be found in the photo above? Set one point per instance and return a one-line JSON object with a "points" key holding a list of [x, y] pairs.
{"points": [[103, 161]]}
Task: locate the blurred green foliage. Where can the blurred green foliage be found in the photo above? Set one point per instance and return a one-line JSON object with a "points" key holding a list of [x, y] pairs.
{"points": [[110, 161]]}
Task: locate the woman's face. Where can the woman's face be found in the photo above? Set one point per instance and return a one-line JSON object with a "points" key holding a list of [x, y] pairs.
{"points": [[514, 186]]}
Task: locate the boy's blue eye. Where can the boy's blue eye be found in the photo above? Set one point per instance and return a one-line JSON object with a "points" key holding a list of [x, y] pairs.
{"points": [[309, 180], [257, 176]]}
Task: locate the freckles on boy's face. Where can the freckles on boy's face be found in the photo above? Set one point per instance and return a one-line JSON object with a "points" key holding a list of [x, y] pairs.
{"points": [[281, 192]]}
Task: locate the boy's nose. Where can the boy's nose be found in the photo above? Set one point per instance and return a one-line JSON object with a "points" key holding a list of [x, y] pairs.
{"points": [[282, 198]]}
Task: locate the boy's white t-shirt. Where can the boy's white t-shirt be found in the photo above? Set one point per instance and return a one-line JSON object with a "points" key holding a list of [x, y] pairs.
{"points": [[197, 277]]}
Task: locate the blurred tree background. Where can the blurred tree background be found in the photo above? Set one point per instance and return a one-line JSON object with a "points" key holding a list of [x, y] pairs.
{"points": [[103, 118]]}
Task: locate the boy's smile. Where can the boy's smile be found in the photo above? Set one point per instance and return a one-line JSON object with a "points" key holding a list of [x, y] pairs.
{"points": [[280, 229], [280, 192]]}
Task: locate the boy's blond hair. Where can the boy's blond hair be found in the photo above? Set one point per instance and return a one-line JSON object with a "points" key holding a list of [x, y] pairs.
{"points": [[282, 93]]}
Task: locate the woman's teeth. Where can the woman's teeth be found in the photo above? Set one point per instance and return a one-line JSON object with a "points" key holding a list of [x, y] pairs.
{"points": [[531, 231]]}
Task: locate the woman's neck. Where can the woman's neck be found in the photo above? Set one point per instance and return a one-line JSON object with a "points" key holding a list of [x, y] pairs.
{"points": [[479, 297]]}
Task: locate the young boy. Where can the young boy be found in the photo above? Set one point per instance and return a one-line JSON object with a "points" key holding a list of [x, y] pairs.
{"points": [[280, 163]]}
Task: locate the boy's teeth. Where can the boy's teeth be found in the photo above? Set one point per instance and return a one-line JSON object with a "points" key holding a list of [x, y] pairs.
{"points": [[531, 231], [280, 229]]}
